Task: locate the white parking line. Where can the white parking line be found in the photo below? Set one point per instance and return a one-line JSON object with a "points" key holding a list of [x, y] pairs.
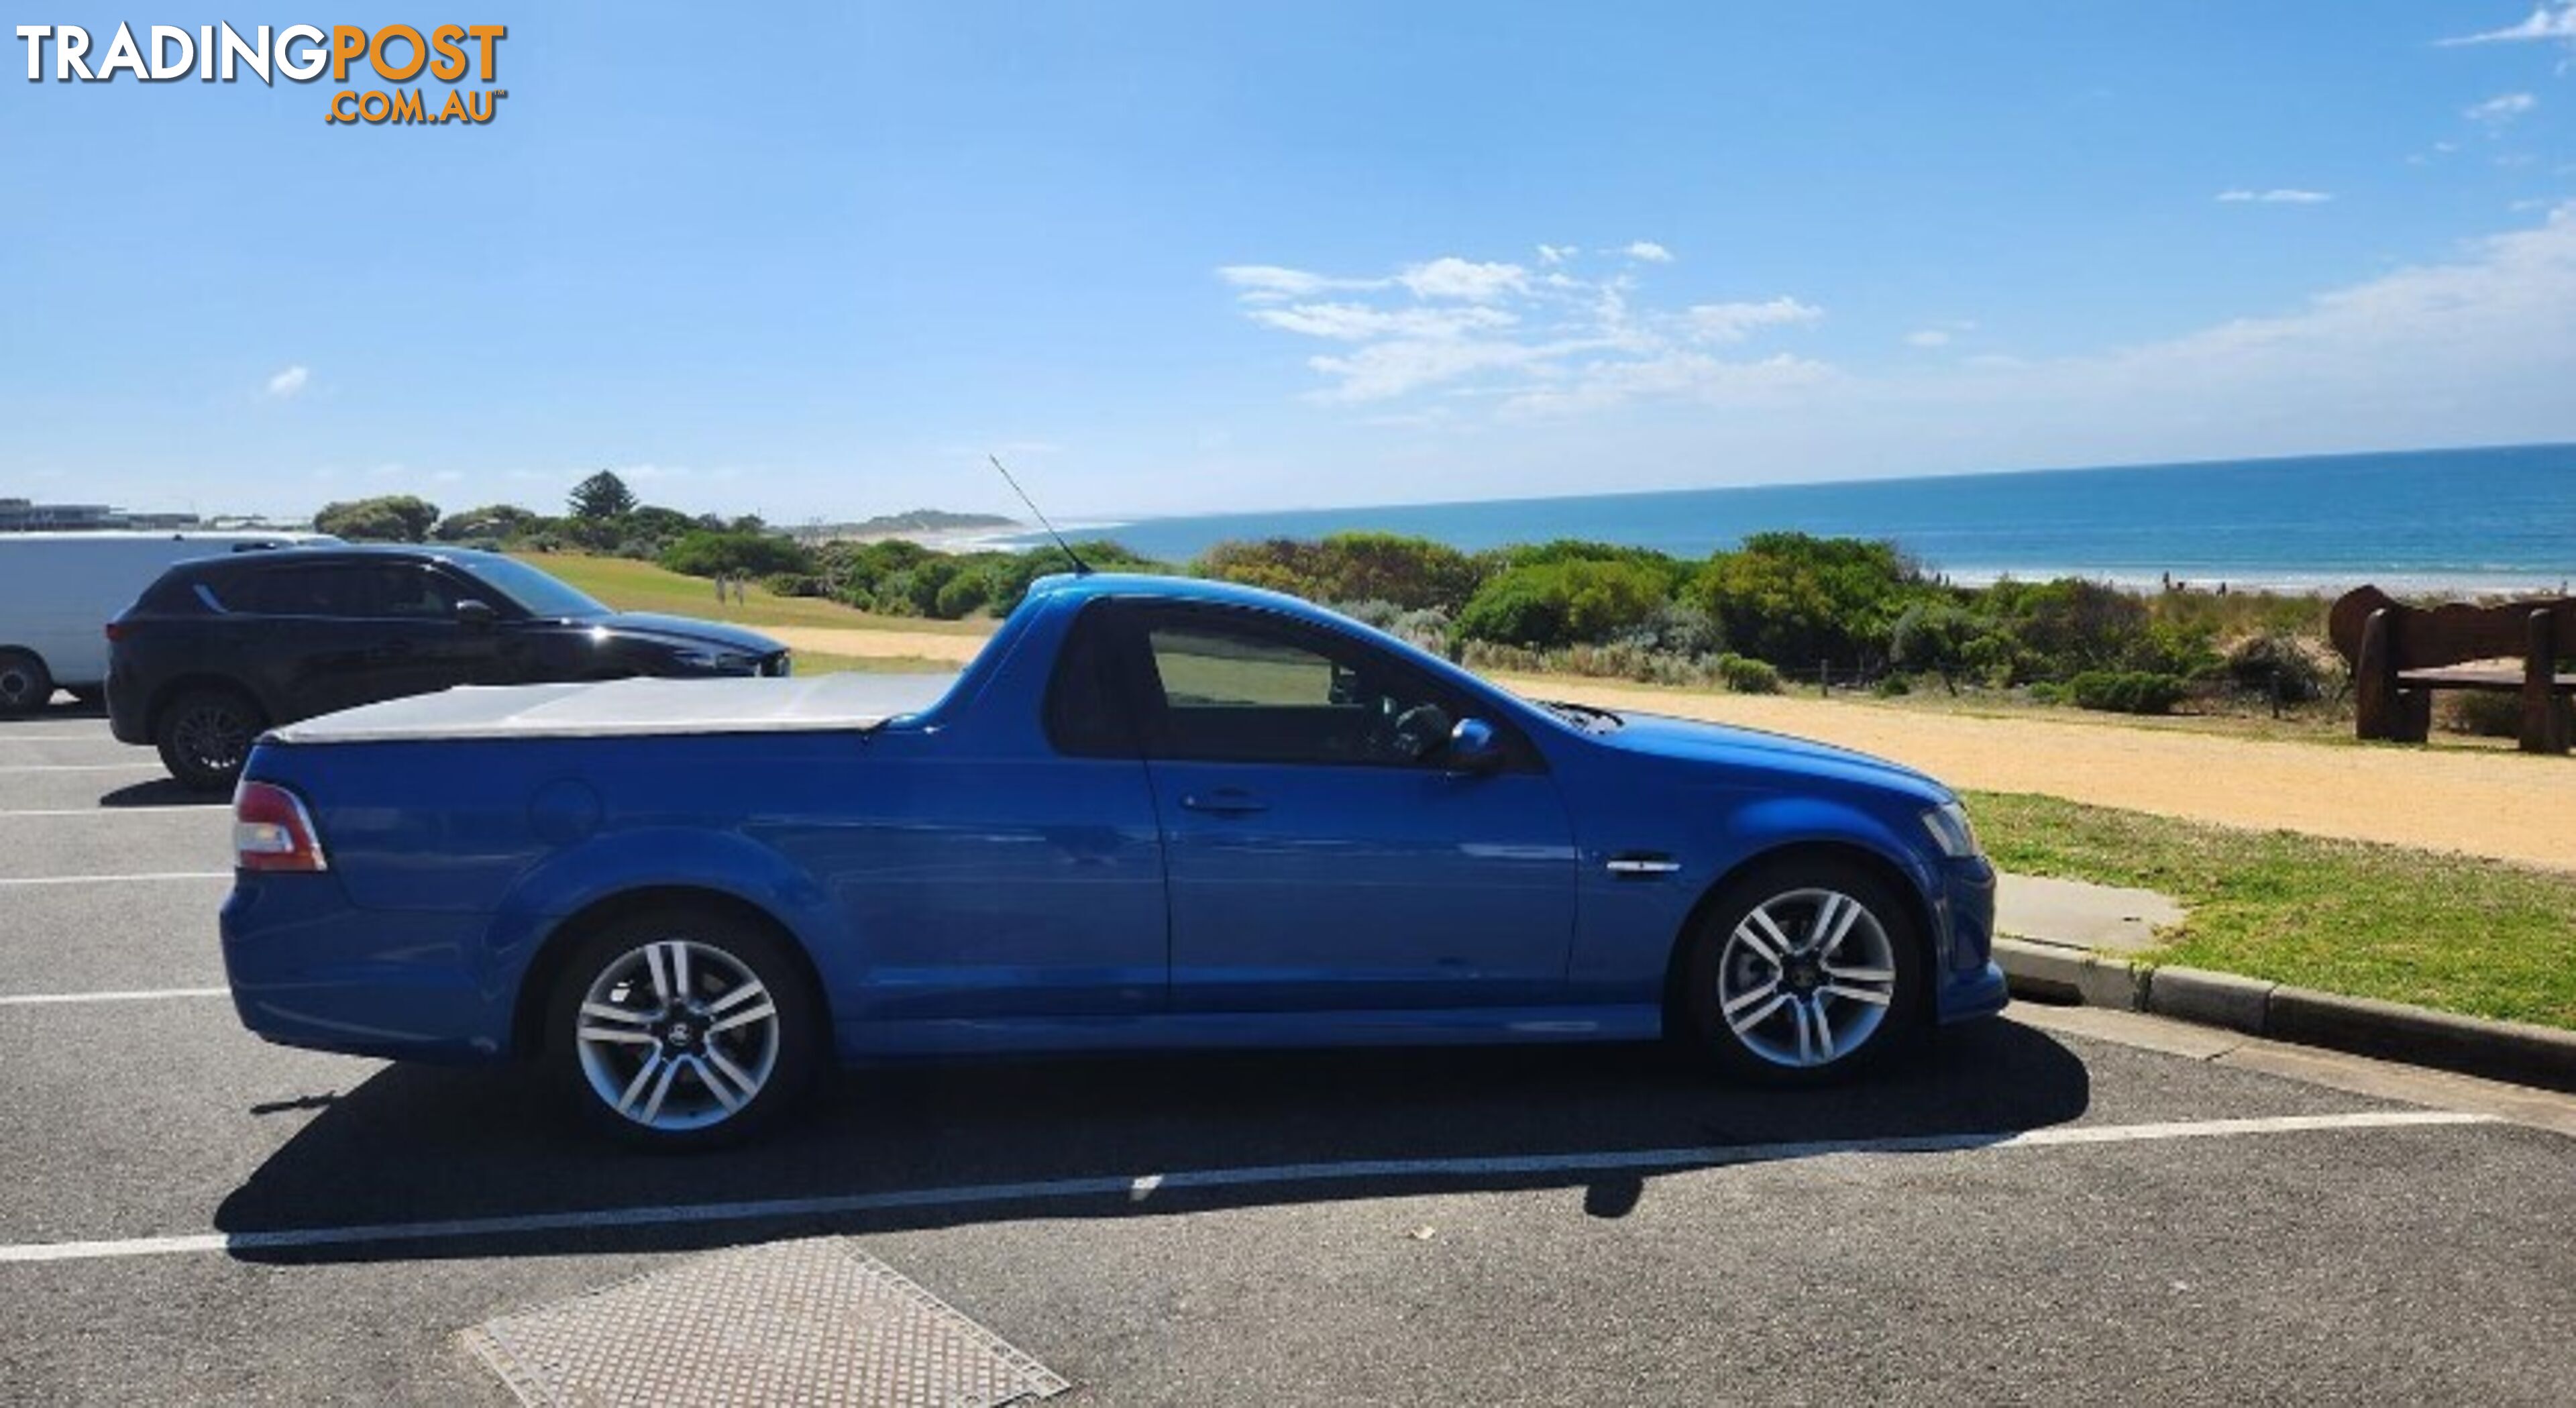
{"points": [[55, 738], [49, 999], [112, 879], [208, 809], [1138, 1189], [81, 767]]}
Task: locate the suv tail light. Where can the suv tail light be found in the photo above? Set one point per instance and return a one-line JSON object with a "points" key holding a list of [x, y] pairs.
{"points": [[273, 831], [116, 630]]}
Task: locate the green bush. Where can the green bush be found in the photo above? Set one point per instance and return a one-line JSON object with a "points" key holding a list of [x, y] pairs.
{"points": [[2482, 713], [1748, 676], [792, 584], [1413, 573], [2278, 665], [1552, 604], [390, 518], [2046, 692], [2125, 691], [1795, 599], [1891, 687], [707, 553]]}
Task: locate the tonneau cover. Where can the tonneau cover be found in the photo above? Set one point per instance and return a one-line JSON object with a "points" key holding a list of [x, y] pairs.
{"points": [[621, 708]]}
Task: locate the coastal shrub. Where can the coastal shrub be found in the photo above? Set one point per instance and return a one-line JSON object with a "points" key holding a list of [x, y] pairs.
{"points": [[1427, 628], [1795, 599], [1946, 639], [2125, 691], [1551, 604], [792, 584], [1675, 571], [960, 596], [1413, 573], [1676, 628], [2071, 626], [2046, 692], [389, 518], [706, 553], [2481, 713], [1745, 676], [1891, 686], [2278, 665]]}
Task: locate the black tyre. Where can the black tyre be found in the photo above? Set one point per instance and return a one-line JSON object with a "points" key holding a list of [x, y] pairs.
{"points": [[205, 737], [684, 1029], [1804, 971], [25, 684]]}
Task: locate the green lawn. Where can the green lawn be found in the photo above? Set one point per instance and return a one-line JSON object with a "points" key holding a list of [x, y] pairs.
{"points": [[815, 662], [2481, 937], [629, 585]]}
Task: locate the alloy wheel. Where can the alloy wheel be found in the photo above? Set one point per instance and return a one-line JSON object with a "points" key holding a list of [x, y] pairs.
{"points": [[677, 1035], [1806, 978]]}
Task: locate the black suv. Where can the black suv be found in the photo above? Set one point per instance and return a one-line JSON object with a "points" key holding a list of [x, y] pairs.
{"points": [[221, 648]]}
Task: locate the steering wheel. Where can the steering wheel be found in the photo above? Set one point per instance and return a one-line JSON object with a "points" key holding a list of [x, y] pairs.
{"points": [[1419, 730]]}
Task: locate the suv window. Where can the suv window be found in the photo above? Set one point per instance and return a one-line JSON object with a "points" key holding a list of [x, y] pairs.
{"points": [[301, 591], [1241, 686], [404, 591]]}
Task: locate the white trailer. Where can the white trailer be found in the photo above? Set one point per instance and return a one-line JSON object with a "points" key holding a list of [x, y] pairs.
{"points": [[58, 591]]}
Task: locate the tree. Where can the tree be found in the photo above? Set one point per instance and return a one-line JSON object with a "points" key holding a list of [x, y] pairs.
{"points": [[490, 523], [602, 495], [391, 518]]}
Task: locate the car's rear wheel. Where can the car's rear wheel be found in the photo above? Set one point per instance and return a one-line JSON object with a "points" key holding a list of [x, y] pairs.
{"points": [[205, 736], [681, 1030], [25, 684], [1804, 971]]}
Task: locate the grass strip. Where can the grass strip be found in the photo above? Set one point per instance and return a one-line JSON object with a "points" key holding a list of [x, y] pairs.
{"points": [[2464, 934]]}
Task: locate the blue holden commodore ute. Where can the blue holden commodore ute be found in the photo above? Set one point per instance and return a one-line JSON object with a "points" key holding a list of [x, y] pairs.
{"points": [[1152, 813]]}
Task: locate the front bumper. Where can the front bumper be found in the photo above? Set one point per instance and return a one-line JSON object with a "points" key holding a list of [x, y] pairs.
{"points": [[1969, 984]]}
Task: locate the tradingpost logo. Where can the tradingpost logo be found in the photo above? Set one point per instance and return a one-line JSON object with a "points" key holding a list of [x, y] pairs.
{"points": [[394, 55]]}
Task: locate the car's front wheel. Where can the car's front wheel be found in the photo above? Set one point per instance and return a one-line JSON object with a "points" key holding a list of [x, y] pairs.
{"points": [[1803, 971], [205, 736], [681, 1030]]}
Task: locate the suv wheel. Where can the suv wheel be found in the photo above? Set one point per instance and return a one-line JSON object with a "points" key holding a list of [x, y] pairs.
{"points": [[205, 737], [25, 684]]}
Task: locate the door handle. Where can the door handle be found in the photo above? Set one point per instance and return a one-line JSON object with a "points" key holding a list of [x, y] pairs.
{"points": [[1225, 801]]}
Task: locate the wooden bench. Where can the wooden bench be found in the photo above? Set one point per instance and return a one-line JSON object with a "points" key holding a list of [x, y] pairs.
{"points": [[2401, 654]]}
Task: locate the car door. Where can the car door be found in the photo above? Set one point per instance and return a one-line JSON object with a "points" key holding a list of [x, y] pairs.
{"points": [[309, 642], [1314, 860], [419, 644]]}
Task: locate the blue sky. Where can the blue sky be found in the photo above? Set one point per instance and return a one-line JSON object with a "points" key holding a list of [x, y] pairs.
{"points": [[1177, 257]]}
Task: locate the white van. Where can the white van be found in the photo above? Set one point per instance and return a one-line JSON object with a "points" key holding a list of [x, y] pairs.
{"points": [[58, 590]]}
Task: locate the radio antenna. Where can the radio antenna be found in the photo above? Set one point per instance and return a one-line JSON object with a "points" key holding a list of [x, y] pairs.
{"points": [[1080, 567]]}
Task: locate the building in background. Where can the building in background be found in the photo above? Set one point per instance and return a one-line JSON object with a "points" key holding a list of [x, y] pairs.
{"points": [[28, 516]]}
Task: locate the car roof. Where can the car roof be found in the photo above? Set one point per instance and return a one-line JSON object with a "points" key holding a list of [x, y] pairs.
{"points": [[328, 554], [1076, 585]]}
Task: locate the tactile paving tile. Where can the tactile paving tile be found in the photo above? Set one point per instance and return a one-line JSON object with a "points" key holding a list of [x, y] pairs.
{"points": [[805, 1322]]}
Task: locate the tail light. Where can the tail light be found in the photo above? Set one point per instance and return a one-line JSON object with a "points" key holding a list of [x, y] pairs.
{"points": [[273, 831], [116, 630]]}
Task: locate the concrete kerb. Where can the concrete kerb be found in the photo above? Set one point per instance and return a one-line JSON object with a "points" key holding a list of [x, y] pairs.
{"points": [[2511, 1051]]}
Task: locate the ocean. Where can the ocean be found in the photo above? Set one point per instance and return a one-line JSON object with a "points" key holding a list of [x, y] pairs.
{"points": [[2424, 520]]}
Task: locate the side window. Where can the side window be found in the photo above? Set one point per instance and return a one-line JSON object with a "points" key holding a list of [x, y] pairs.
{"points": [[409, 593], [1243, 687], [1085, 716], [302, 591]]}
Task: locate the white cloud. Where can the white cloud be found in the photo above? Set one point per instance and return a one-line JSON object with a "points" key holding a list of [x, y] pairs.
{"points": [[1357, 322], [1649, 251], [1733, 322], [1550, 342], [2279, 195], [1452, 277], [1927, 337], [2544, 24], [2501, 109], [288, 382]]}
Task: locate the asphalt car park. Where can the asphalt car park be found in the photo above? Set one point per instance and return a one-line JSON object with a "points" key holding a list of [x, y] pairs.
{"points": [[2027, 1212]]}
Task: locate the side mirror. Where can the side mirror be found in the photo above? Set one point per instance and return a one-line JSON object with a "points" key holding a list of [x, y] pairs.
{"points": [[471, 612], [1473, 748]]}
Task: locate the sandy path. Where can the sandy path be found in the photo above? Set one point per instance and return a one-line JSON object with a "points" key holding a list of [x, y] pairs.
{"points": [[844, 640], [2486, 803], [2500, 804]]}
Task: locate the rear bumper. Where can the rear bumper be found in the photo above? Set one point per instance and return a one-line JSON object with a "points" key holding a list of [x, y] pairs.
{"points": [[309, 969], [125, 703]]}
